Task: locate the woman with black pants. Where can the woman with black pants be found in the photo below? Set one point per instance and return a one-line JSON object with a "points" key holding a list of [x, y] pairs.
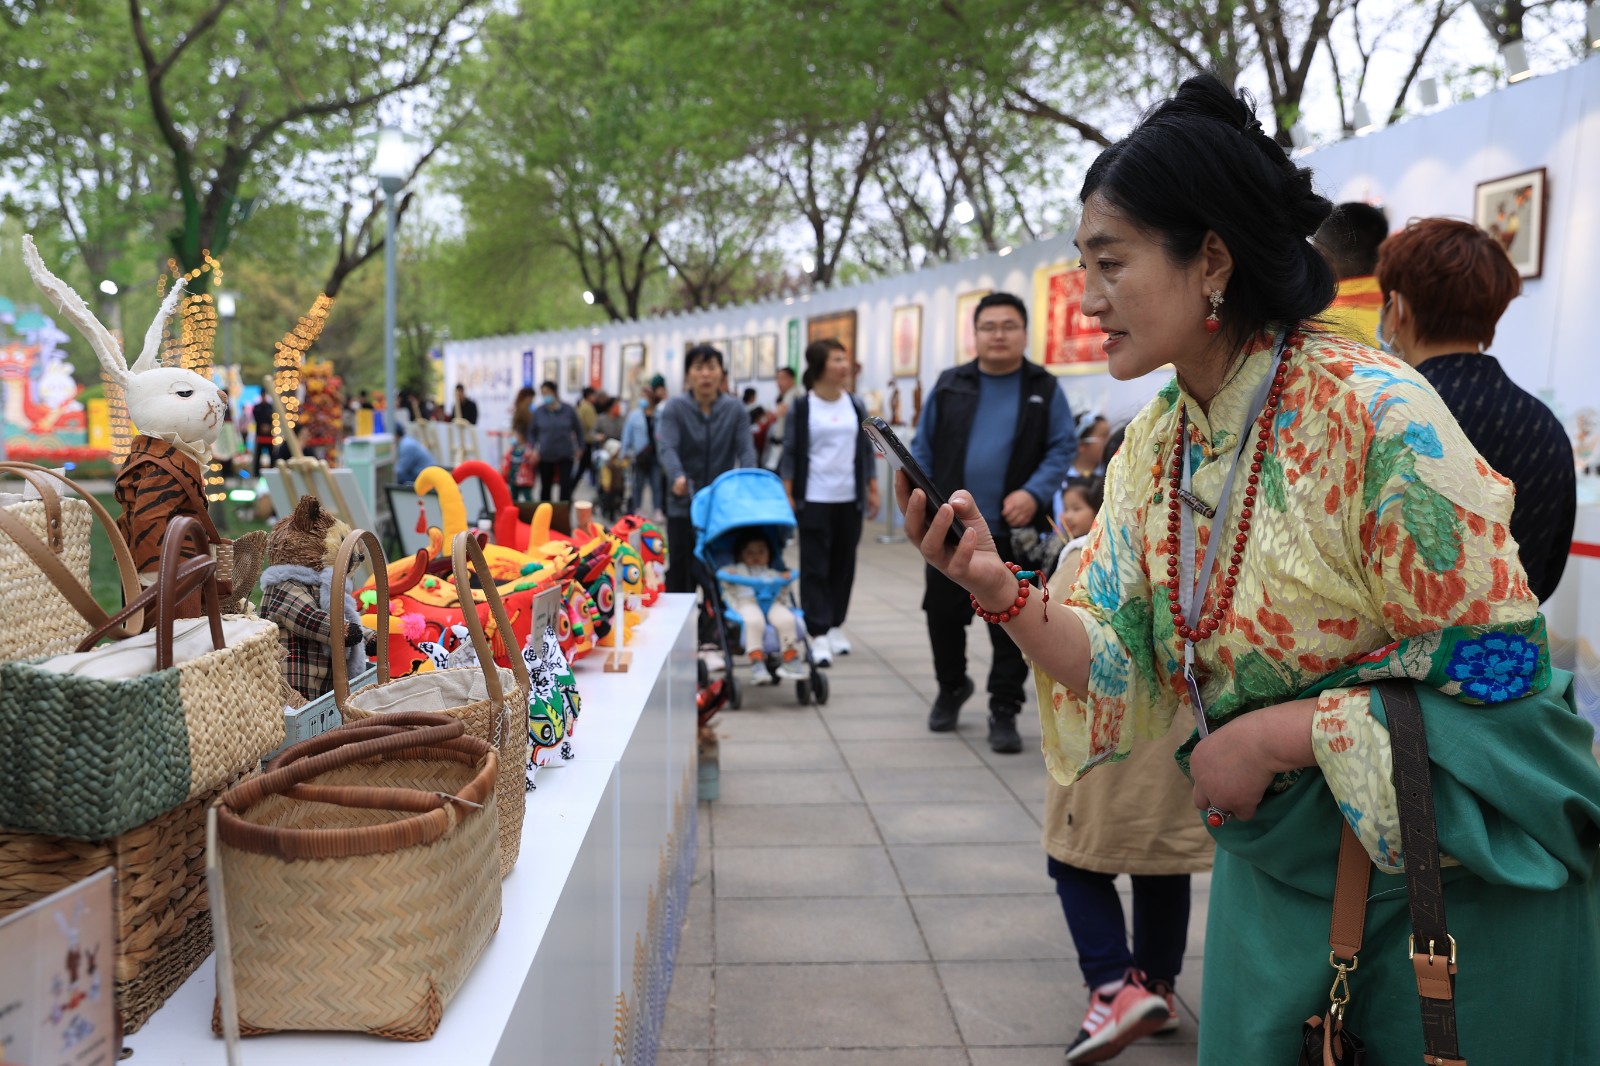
{"points": [[832, 481]]}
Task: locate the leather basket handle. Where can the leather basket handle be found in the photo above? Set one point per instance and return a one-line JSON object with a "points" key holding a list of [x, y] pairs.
{"points": [[336, 622]]}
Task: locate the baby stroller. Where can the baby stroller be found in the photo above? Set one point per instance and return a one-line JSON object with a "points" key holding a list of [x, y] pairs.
{"points": [[734, 504]]}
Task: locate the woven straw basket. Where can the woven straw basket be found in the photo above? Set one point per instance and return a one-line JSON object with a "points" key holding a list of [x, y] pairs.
{"points": [[91, 757], [491, 701], [44, 565], [360, 878], [162, 910]]}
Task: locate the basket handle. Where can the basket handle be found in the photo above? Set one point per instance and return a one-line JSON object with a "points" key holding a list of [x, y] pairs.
{"points": [[465, 548], [46, 558], [380, 577], [175, 580]]}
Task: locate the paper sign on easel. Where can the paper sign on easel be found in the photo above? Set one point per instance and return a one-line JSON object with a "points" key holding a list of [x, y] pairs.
{"points": [[57, 992]]}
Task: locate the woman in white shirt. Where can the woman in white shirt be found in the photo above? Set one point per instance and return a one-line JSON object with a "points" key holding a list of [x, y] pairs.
{"points": [[832, 481]]}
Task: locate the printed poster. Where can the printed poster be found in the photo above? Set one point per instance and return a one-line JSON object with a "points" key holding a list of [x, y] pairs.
{"points": [[1065, 340], [57, 1001]]}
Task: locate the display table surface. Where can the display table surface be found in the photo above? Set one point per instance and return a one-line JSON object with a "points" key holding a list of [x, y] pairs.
{"points": [[595, 842]]}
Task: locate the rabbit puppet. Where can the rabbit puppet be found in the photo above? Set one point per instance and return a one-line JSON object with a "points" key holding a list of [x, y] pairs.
{"points": [[179, 414]]}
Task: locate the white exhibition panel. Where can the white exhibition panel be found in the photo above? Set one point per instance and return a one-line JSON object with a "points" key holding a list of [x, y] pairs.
{"points": [[546, 991]]}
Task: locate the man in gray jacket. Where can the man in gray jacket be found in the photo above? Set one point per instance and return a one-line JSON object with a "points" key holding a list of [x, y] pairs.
{"points": [[554, 432], [699, 436]]}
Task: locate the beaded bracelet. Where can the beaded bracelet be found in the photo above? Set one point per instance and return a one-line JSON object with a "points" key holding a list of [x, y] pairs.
{"points": [[1023, 589]]}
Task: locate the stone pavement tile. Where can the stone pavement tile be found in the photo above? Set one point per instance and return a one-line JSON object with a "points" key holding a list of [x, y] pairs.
{"points": [[931, 786], [755, 787], [1189, 985], [950, 1056], [1014, 1003], [817, 930], [770, 725], [858, 686], [947, 823], [694, 945], [852, 1005], [906, 720], [688, 1017], [995, 929], [766, 873], [738, 755], [1152, 1051], [928, 751], [684, 1058], [787, 826], [968, 870]]}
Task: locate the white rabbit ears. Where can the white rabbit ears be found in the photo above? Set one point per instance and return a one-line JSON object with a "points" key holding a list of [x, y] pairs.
{"points": [[70, 304]]}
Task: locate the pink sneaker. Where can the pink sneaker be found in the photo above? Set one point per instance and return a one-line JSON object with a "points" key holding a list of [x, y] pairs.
{"points": [[1161, 988], [1113, 1022]]}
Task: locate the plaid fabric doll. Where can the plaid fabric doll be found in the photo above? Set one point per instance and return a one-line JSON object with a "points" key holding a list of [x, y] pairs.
{"points": [[297, 592]]}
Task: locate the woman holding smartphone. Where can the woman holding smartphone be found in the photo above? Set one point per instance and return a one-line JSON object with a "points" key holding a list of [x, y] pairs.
{"points": [[832, 481], [1354, 535]]}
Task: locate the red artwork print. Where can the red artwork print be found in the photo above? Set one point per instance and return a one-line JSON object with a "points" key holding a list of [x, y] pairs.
{"points": [[1071, 338]]}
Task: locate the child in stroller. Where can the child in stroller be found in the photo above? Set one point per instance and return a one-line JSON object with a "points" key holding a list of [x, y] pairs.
{"points": [[750, 589]]}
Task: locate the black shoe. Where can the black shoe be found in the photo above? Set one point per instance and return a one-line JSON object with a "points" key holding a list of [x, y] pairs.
{"points": [[947, 707], [1003, 738]]}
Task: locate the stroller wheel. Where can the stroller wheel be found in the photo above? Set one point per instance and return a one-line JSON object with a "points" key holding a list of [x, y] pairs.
{"points": [[735, 693], [802, 692], [819, 686]]}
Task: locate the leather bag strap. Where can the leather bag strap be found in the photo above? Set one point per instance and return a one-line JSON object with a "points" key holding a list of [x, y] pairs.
{"points": [[1433, 952], [1349, 897]]}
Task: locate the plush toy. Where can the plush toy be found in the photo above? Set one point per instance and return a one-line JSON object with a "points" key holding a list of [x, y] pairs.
{"points": [[297, 594]]}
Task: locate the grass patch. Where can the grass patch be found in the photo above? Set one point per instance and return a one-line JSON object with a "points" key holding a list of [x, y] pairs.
{"points": [[105, 583]]}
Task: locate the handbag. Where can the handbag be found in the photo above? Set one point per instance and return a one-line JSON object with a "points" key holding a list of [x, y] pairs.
{"points": [[360, 878], [44, 564], [491, 702], [101, 740], [1325, 1041]]}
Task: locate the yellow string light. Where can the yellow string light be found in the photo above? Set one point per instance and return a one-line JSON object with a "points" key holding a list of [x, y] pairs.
{"points": [[289, 360]]}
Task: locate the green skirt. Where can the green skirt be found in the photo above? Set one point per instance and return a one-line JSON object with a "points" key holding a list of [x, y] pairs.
{"points": [[1517, 800]]}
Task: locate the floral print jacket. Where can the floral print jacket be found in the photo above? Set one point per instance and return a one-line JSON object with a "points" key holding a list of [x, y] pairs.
{"points": [[1375, 521]]}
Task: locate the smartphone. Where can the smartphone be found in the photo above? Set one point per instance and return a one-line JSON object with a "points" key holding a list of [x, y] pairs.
{"points": [[891, 448]]}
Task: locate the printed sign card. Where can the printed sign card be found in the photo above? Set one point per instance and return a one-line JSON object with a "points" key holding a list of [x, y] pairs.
{"points": [[57, 1002]]}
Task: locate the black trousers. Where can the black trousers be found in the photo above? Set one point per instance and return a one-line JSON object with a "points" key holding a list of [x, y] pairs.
{"points": [[553, 473], [263, 448], [949, 611], [680, 553], [829, 534]]}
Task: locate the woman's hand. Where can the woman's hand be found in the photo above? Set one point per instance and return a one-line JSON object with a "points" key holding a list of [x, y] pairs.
{"points": [[1233, 767], [680, 486], [872, 500], [976, 565]]}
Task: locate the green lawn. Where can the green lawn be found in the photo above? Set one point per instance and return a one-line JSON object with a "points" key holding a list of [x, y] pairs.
{"points": [[103, 566]]}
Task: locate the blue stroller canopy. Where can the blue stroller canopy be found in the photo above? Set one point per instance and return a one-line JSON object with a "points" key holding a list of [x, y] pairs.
{"points": [[738, 501]]}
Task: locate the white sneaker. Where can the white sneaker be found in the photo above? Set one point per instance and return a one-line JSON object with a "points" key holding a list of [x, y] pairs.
{"points": [[792, 672], [838, 641], [822, 650], [759, 674]]}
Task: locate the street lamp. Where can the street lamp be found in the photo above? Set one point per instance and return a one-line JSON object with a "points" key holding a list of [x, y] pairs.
{"points": [[1515, 53], [390, 166], [227, 307], [963, 213]]}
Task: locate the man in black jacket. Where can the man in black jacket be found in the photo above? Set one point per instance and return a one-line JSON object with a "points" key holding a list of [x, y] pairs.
{"points": [[999, 428]]}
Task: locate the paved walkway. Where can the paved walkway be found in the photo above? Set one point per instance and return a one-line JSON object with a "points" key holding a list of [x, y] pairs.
{"points": [[871, 894]]}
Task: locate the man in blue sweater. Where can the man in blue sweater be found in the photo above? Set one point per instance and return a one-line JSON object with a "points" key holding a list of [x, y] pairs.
{"points": [[1000, 428]]}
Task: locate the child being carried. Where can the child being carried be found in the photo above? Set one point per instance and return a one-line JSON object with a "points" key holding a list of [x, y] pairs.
{"points": [[750, 588]]}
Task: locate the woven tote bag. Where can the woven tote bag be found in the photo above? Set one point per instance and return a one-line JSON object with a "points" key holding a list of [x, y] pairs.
{"points": [[44, 565], [360, 877], [491, 701], [101, 740]]}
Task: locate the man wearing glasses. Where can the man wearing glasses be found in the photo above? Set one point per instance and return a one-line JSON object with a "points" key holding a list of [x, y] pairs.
{"points": [[1001, 429]]}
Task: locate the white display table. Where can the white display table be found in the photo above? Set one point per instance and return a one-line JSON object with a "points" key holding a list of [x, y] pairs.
{"points": [[579, 969]]}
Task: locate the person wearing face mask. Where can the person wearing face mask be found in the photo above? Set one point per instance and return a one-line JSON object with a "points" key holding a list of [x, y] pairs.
{"points": [[639, 448], [556, 435], [699, 435], [1293, 518], [1445, 284]]}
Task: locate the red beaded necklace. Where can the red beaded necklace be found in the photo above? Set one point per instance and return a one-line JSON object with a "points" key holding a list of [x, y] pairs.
{"points": [[1207, 625]]}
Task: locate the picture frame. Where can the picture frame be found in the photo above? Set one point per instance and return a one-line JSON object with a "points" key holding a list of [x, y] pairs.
{"points": [[1513, 210], [905, 341], [550, 370], [635, 370], [1065, 340], [839, 326], [966, 331], [767, 356], [576, 365], [743, 359]]}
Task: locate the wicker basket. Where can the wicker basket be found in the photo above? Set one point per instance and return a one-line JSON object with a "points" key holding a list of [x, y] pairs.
{"points": [[163, 920], [492, 702], [361, 878]]}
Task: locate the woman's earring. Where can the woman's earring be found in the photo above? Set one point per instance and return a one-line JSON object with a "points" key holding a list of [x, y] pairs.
{"points": [[1213, 323]]}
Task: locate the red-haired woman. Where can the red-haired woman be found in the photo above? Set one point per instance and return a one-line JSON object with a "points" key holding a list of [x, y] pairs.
{"points": [[1445, 285]]}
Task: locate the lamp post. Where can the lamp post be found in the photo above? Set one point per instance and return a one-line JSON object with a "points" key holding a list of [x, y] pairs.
{"points": [[389, 166]]}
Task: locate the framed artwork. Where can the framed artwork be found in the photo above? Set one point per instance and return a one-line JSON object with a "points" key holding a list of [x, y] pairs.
{"points": [[1065, 340], [635, 370], [597, 366], [905, 353], [576, 364], [839, 326], [767, 356], [551, 371], [966, 332], [743, 358], [1512, 211], [722, 346]]}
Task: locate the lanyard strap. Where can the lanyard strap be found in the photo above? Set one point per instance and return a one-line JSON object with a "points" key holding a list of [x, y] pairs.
{"points": [[1191, 587]]}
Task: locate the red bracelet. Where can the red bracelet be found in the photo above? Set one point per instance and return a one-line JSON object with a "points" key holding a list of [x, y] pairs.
{"points": [[1023, 589]]}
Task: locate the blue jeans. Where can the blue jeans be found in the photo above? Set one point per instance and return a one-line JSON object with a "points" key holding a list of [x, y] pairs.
{"points": [[1099, 929]]}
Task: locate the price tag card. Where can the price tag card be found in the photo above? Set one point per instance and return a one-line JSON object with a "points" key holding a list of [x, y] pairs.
{"points": [[57, 1000]]}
